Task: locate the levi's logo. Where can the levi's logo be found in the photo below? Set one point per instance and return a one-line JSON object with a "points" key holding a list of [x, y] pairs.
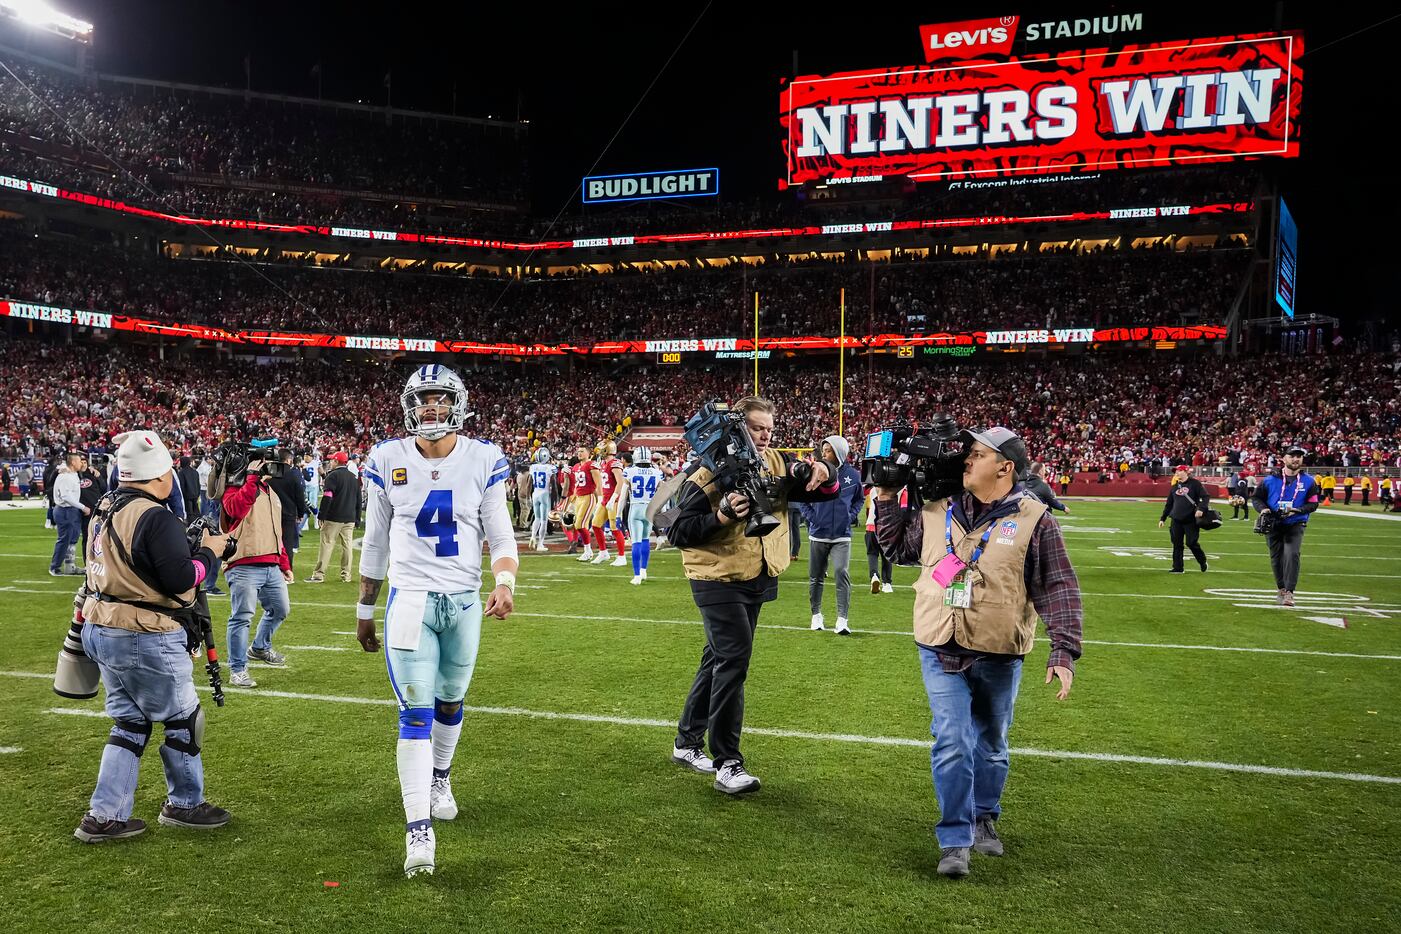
{"points": [[973, 38]]}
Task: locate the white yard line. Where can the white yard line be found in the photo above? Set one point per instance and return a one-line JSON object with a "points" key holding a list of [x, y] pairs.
{"points": [[854, 738], [6, 750]]}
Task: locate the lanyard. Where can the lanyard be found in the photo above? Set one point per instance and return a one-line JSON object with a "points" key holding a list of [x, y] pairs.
{"points": [[948, 537], [1294, 493]]}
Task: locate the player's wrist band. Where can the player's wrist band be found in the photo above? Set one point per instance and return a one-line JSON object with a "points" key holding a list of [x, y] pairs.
{"points": [[506, 579], [364, 611]]}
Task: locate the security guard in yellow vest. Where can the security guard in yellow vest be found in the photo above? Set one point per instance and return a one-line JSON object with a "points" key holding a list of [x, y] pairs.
{"points": [[732, 576], [991, 562], [141, 579]]}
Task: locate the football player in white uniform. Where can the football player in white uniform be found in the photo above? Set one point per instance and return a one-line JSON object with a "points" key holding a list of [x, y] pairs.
{"points": [[640, 482], [542, 480], [434, 497]]}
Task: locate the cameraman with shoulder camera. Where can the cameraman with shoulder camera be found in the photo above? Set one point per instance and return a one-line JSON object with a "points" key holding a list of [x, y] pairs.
{"points": [[259, 571], [732, 575], [1284, 504], [141, 584], [992, 562]]}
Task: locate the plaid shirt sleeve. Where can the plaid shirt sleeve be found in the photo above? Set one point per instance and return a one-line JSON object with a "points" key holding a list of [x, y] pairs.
{"points": [[1055, 592]]}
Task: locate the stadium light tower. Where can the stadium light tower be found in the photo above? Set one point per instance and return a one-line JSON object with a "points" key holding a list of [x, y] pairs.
{"points": [[40, 16], [37, 14]]}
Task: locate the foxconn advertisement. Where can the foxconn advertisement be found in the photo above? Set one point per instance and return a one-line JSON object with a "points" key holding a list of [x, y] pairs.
{"points": [[1170, 103]]}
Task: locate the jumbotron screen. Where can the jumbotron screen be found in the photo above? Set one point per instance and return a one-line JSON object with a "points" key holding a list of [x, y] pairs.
{"points": [[1158, 104]]}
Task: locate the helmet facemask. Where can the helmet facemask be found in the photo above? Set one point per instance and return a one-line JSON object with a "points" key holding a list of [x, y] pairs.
{"points": [[434, 403]]}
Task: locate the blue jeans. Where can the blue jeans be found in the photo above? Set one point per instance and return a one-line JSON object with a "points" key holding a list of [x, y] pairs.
{"points": [[69, 520], [250, 585], [147, 677], [972, 711]]}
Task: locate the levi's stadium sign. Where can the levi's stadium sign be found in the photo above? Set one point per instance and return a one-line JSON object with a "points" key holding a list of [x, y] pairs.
{"points": [[1170, 103]]}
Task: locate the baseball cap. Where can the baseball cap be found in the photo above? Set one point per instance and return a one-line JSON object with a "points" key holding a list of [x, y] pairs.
{"points": [[1181, 465], [339, 457], [1294, 450], [1005, 442]]}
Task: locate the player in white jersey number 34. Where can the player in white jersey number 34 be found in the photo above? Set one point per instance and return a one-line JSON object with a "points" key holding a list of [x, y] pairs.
{"points": [[434, 498]]}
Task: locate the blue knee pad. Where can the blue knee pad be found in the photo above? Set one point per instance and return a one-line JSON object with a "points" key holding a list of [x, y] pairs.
{"points": [[415, 722], [444, 712]]}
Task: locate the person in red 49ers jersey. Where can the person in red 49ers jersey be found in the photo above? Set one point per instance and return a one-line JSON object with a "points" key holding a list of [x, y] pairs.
{"points": [[564, 476], [584, 498], [610, 489]]}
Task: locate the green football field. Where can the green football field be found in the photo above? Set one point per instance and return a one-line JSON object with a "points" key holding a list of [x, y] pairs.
{"points": [[1222, 764]]}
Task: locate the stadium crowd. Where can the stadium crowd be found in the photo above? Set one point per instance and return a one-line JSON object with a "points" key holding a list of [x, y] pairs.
{"points": [[1102, 288], [190, 151], [155, 130], [1146, 411]]}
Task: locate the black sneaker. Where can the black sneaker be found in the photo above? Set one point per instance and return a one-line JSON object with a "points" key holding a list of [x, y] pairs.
{"points": [[92, 830], [213, 591], [1177, 571], [203, 816], [1203, 567]]}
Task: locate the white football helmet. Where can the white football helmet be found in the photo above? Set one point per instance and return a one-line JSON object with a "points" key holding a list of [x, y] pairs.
{"points": [[641, 455], [421, 417], [542, 456]]}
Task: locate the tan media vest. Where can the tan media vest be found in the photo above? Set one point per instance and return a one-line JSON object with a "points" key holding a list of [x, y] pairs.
{"points": [[109, 575], [731, 555], [1001, 619], [260, 532]]}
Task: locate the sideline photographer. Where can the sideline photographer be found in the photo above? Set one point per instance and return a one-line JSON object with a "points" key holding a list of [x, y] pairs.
{"points": [[1284, 504], [993, 561], [731, 525], [259, 570], [141, 585], [1186, 503]]}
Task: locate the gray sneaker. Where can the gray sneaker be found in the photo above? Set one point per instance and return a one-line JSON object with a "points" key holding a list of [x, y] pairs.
{"points": [[953, 862], [985, 838], [268, 655]]}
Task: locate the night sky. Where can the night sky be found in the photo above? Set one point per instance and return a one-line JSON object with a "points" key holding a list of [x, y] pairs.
{"points": [[577, 77]]}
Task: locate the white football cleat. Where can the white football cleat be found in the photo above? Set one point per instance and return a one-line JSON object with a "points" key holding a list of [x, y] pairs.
{"points": [[636, 579], [541, 547], [586, 556], [817, 623], [420, 845], [886, 588], [441, 804], [620, 562], [601, 558], [842, 628], [644, 573]]}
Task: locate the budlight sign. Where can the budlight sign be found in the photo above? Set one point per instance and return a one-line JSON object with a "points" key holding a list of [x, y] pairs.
{"points": [[652, 186]]}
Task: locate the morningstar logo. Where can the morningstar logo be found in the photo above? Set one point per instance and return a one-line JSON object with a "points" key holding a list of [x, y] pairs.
{"points": [[973, 38]]}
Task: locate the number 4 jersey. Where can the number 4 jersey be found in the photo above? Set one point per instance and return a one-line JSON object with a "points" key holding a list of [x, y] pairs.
{"points": [[427, 520]]}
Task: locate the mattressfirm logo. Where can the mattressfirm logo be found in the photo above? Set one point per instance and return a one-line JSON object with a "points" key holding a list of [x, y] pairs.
{"points": [[973, 38]]}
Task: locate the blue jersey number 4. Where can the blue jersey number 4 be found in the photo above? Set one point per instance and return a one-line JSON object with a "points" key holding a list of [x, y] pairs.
{"points": [[435, 520]]}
